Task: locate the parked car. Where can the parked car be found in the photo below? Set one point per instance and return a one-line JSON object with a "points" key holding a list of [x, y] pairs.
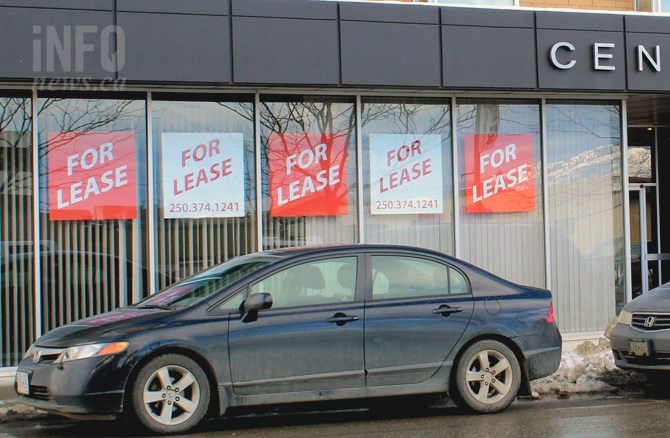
{"points": [[300, 325], [641, 338]]}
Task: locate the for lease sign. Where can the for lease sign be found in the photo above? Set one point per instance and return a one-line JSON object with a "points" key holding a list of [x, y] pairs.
{"points": [[203, 175], [92, 176], [406, 173], [499, 174], [308, 175]]}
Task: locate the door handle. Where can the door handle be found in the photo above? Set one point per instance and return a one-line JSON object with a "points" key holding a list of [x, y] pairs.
{"points": [[341, 318], [445, 310]]}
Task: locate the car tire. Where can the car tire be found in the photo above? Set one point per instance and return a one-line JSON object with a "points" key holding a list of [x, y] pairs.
{"points": [[170, 394], [487, 377]]}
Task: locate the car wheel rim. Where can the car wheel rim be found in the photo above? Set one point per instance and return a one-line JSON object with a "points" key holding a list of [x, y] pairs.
{"points": [[489, 376], [171, 395]]}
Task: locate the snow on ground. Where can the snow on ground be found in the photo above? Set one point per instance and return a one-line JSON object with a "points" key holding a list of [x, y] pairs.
{"points": [[589, 368]]}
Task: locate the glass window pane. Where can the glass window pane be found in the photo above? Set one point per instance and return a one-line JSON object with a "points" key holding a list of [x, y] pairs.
{"points": [[457, 283], [16, 230], [586, 215], [641, 157], [308, 164], [501, 214], [204, 184], [320, 282], [93, 206], [407, 167], [407, 277]]}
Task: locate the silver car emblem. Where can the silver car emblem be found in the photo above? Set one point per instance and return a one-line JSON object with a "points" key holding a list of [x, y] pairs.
{"points": [[37, 356], [649, 322]]}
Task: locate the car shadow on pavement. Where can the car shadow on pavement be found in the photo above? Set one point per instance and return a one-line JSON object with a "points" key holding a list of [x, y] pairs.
{"points": [[242, 419]]}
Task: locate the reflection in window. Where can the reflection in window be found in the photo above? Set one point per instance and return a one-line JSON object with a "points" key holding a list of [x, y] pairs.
{"points": [[406, 277], [320, 282], [92, 206], [205, 184], [499, 149], [641, 159], [16, 230], [308, 171], [407, 169], [586, 215], [207, 283]]}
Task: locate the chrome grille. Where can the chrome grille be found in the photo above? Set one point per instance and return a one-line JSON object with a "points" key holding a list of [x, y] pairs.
{"points": [[651, 321], [46, 355]]}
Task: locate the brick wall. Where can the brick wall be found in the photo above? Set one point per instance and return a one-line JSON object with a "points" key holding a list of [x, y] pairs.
{"points": [[606, 5]]}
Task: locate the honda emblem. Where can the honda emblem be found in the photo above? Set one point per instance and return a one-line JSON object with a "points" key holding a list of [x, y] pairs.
{"points": [[649, 321]]}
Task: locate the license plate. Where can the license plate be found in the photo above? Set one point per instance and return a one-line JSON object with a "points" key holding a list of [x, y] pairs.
{"points": [[22, 383], [638, 347]]}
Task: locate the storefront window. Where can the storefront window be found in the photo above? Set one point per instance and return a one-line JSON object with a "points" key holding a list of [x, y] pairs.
{"points": [[308, 166], [16, 230], [501, 213], [408, 172], [205, 189], [92, 206], [586, 214]]}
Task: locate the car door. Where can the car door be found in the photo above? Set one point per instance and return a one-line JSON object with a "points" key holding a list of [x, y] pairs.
{"points": [[312, 336], [416, 310]]}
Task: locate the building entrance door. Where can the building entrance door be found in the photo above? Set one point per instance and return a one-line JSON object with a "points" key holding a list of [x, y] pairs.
{"points": [[648, 259]]}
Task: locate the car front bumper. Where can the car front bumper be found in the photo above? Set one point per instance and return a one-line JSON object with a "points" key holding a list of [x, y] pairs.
{"points": [[81, 388], [659, 349]]}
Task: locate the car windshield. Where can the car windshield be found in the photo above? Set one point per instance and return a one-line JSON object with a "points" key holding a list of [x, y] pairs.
{"points": [[203, 284]]}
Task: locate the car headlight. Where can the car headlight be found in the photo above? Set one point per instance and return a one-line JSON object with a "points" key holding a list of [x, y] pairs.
{"points": [[625, 318], [93, 350]]}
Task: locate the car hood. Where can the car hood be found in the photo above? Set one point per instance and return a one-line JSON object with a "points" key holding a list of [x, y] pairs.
{"points": [[104, 327], [656, 300]]}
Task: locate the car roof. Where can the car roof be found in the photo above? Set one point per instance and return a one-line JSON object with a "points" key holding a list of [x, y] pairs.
{"points": [[318, 249]]}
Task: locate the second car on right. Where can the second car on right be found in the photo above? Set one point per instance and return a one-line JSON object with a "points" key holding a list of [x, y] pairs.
{"points": [[641, 338]]}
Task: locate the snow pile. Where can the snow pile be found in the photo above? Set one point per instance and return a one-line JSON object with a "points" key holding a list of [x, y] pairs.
{"points": [[19, 412], [587, 369]]}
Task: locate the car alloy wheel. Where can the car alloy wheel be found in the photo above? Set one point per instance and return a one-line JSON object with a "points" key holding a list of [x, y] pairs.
{"points": [[170, 394], [488, 377]]}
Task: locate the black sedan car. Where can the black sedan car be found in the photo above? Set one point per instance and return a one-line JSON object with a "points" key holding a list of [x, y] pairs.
{"points": [[641, 338], [300, 325]]}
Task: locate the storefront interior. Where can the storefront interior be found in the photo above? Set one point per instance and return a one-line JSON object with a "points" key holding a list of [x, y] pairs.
{"points": [[648, 190]]}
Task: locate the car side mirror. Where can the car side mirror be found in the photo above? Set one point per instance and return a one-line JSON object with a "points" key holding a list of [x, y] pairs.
{"points": [[253, 304]]}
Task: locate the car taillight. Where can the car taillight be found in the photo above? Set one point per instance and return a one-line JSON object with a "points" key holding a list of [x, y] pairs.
{"points": [[550, 315]]}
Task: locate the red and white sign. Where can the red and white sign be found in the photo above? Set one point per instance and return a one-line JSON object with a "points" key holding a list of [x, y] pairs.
{"points": [[308, 175], [203, 175], [92, 176], [499, 175], [406, 174]]}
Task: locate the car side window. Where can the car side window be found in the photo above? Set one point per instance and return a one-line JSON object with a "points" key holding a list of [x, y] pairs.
{"points": [[406, 277], [233, 303], [457, 282], [311, 283]]}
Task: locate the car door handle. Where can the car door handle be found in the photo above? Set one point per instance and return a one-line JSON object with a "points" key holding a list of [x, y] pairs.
{"points": [[341, 318], [447, 310]]}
